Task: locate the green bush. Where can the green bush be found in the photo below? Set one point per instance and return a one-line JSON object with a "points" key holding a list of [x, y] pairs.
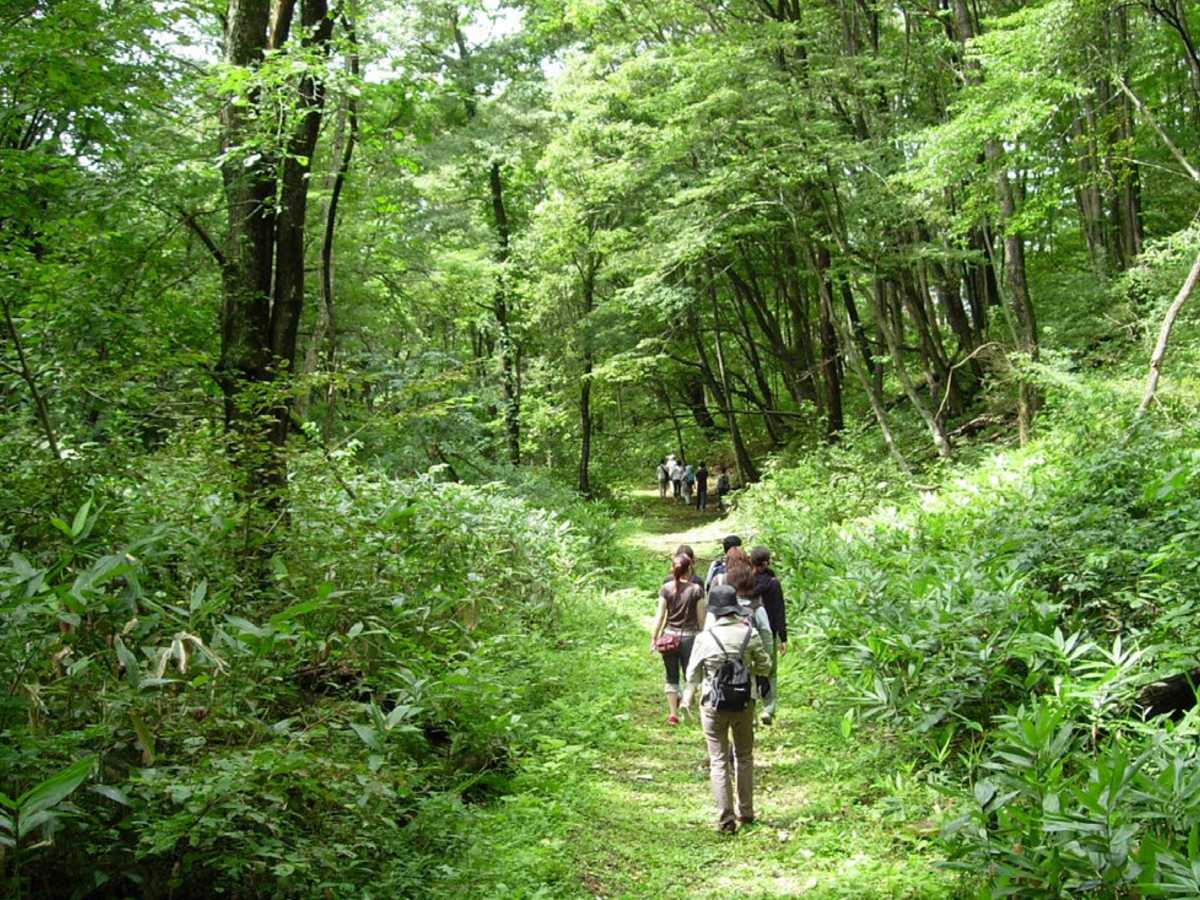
{"points": [[278, 741], [1002, 624]]}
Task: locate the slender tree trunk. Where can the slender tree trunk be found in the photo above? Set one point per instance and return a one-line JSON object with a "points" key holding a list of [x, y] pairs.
{"points": [[940, 441], [585, 389], [500, 308], [41, 410], [865, 375], [1164, 335], [831, 369], [749, 471], [1021, 305]]}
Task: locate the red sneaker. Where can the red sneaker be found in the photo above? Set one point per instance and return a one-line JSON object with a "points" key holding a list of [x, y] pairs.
{"points": [[672, 719]]}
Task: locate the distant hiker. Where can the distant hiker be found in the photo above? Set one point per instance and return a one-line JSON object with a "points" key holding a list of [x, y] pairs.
{"points": [[728, 656], [677, 478], [680, 612], [770, 595], [702, 487], [716, 572], [664, 478], [689, 484], [723, 487], [687, 551]]}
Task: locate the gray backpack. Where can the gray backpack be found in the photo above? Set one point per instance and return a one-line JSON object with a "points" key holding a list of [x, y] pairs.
{"points": [[730, 689]]}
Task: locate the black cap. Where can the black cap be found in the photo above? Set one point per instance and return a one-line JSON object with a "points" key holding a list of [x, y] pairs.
{"points": [[722, 601]]}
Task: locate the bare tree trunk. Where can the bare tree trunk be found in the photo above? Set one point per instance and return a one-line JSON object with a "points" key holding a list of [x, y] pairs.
{"points": [[1164, 335]]}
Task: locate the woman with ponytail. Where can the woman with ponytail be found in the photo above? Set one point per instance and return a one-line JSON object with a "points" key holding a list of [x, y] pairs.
{"points": [[680, 612]]}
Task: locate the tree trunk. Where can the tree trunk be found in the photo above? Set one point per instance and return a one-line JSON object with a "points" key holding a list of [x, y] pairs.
{"points": [[263, 262], [831, 368], [500, 308], [748, 470], [585, 389]]}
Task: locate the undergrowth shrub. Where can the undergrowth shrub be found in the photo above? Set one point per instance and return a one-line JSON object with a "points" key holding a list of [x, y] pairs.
{"points": [[1003, 623], [285, 742]]}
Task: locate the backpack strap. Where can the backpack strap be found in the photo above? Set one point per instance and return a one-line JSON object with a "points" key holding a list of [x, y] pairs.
{"points": [[746, 642], [718, 640]]}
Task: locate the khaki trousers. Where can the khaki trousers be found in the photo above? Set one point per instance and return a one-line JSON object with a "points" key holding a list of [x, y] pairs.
{"points": [[721, 728]]}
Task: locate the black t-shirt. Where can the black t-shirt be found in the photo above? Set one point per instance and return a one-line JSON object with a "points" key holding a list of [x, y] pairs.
{"points": [[702, 479]]}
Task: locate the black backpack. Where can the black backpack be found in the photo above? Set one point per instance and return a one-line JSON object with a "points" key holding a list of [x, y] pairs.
{"points": [[730, 689]]}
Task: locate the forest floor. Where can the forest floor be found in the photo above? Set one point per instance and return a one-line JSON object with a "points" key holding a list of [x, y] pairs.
{"points": [[837, 817]]}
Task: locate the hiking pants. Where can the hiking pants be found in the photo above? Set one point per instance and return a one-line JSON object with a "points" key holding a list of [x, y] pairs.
{"points": [[662, 489], [702, 498], [676, 661], [678, 486], [721, 729], [773, 699]]}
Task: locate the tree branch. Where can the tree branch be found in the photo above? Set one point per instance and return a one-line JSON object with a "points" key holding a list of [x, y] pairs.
{"points": [[189, 220]]}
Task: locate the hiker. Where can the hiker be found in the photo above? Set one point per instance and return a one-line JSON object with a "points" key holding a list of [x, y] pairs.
{"points": [[717, 569], [728, 656], [702, 487], [677, 478], [686, 550], [723, 487], [742, 577], [664, 477], [689, 483], [680, 612], [770, 595]]}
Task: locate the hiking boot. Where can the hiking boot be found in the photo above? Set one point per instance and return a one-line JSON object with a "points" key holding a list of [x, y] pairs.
{"points": [[729, 828]]}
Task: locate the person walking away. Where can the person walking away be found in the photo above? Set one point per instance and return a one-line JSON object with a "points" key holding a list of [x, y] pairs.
{"points": [[681, 609], [723, 487], [724, 662], [770, 595], [689, 484], [716, 571], [664, 477], [686, 550], [702, 487], [677, 479]]}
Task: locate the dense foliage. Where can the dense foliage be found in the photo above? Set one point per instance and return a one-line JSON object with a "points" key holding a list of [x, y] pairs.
{"points": [[332, 331]]}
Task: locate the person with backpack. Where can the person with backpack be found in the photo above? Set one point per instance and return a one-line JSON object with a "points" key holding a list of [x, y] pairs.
{"points": [[725, 661], [689, 482], [702, 487], [716, 571], [664, 478], [681, 609], [770, 596]]}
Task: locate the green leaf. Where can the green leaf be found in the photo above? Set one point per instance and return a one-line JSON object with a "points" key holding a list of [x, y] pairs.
{"points": [[296, 610], [133, 672], [81, 518], [115, 794], [54, 789], [199, 592]]}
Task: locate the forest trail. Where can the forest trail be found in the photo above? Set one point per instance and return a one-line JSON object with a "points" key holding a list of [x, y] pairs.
{"points": [[828, 825]]}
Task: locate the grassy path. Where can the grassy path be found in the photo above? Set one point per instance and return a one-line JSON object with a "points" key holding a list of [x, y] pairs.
{"points": [[616, 803], [830, 822]]}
